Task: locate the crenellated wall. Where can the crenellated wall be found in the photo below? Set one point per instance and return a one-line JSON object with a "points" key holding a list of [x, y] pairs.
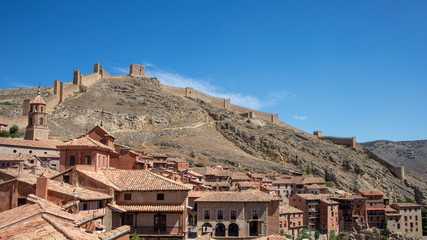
{"points": [[350, 141], [222, 103], [63, 90], [397, 171]]}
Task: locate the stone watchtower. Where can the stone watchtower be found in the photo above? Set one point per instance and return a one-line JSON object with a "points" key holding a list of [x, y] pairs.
{"points": [[37, 119]]}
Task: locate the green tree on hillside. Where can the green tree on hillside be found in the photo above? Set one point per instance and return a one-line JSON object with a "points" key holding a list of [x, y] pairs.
{"points": [[14, 132]]}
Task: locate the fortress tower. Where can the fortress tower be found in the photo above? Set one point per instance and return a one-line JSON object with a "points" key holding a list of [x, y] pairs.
{"points": [[37, 119]]}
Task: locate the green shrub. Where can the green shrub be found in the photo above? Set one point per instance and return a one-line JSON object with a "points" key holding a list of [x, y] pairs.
{"points": [[200, 165], [409, 200], [308, 171], [328, 184]]}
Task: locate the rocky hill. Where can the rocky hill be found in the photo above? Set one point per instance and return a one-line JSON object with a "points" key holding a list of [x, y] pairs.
{"points": [[410, 154], [140, 114]]}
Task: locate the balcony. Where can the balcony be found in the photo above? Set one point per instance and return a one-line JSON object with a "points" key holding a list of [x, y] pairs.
{"points": [[150, 231]]}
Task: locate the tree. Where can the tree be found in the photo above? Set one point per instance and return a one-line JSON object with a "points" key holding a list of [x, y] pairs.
{"points": [[136, 237], [308, 171], [14, 132], [316, 234], [4, 134], [424, 218]]}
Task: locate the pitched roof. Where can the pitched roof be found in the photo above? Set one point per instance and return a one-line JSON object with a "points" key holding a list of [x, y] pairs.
{"points": [[42, 220], [371, 193], [246, 184], [236, 176], [38, 100], [405, 205], [153, 208], [14, 157], [289, 209], [18, 142], [142, 180], [84, 142], [106, 133], [232, 196]]}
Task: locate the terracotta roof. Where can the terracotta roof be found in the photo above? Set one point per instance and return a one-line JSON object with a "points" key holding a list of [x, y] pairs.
{"points": [[99, 177], [14, 157], [78, 192], [316, 186], [371, 193], [272, 237], [142, 180], [38, 100], [195, 174], [314, 180], [198, 194], [239, 176], [246, 184], [42, 220], [220, 184], [85, 142], [102, 129], [120, 231], [231, 196], [18, 142], [153, 208], [405, 205], [289, 209]]}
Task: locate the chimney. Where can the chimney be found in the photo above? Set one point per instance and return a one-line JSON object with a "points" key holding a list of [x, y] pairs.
{"points": [[217, 187], [33, 170], [41, 187], [145, 166], [21, 166]]}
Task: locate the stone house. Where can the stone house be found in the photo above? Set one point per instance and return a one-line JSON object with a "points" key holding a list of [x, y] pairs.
{"points": [[352, 211], [291, 220], [320, 212], [375, 208], [246, 214], [406, 219], [153, 206]]}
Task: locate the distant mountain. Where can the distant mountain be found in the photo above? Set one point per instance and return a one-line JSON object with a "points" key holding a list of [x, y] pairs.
{"points": [[410, 154]]}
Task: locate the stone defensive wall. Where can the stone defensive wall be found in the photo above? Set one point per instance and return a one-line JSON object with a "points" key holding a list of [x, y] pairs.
{"points": [[63, 90], [397, 171], [350, 141], [221, 103]]}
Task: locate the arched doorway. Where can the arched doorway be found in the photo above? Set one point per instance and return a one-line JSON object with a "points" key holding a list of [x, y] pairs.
{"points": [[220, 230], [233, 230], [206, 228]]}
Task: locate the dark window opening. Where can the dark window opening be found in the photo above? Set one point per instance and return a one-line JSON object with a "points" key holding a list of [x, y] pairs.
{"points": [[233, 214], [128, 196], [207, 214], [128, 219], [22, 201], [72, 160], [160, 196], [220, 214], [84, 207], [88, 160], [66, 179]]}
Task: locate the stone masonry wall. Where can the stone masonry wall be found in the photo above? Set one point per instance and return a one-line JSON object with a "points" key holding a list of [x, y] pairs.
{"points": [[222, 103]]}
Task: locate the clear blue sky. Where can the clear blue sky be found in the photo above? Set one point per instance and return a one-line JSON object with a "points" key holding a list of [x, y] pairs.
{"points": [[349, 68]]}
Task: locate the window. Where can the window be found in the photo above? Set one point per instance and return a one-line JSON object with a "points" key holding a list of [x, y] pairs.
{"points": [[254, 214], [22, 201], [88, 160], [233, 214], [207, 214], [160, 196], [66, 179], [128, 219], [72, 160], [128, 196], [41, 121], [101, 204], [220, 214], [14, 151], [84, 206]]}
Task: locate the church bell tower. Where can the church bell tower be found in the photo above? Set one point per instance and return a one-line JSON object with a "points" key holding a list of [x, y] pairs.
{"points": [[37, 119]]}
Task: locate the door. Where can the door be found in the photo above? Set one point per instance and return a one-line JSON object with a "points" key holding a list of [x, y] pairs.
{"points": [[160, 223]]}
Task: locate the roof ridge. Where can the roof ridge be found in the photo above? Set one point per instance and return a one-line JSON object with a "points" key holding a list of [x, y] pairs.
{"points": [[20, 219], [57, 226], [164, 178]]}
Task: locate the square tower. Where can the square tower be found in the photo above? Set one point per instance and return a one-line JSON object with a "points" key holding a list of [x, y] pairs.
{"points": [[137, 70]]}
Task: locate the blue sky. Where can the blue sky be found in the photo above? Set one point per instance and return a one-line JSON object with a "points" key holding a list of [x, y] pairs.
{"points": [[349, 68]]}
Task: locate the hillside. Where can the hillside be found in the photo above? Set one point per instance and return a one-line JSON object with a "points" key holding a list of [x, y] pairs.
{"points": [[140, 114], [410, 154]]}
